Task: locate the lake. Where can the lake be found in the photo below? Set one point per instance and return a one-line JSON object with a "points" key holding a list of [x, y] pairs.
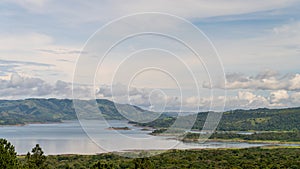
{"points": [[69, 138]]}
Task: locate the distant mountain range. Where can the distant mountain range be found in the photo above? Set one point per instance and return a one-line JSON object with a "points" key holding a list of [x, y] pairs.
{"points": [[13, 112], [262, 119], [18, 112]]}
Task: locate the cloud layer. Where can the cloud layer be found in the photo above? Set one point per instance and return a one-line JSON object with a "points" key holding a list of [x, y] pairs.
{"points": [[266, 80], [17, 87], [40, 41], [88, 11], [20, 87]]}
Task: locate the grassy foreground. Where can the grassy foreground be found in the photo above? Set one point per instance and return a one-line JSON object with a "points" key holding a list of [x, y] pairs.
{"points": [[205, 158]]}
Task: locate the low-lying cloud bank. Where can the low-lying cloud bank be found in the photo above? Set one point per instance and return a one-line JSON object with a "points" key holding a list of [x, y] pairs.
{"points": [[266, 80], [278, 91]]}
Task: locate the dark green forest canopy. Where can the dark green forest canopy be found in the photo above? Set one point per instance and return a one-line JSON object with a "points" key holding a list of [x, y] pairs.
{"points": [[267, 157], [214, 158]]}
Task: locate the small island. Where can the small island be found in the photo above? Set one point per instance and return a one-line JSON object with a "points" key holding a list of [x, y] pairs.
{"points": [[118, 128]]}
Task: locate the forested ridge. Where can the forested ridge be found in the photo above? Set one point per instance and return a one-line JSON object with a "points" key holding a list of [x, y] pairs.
{"points": [[287, 119], [14, 112]]}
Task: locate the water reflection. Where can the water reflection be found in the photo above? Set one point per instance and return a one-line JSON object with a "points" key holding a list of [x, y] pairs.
{"points": [[69, 138]]}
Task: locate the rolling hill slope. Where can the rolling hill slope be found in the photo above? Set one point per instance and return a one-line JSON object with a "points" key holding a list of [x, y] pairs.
{"points": [[14, 112], [262, 119]]}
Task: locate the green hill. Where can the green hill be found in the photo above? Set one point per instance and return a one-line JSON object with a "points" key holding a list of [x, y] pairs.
{"points": [[262, 119], [14, 112]]}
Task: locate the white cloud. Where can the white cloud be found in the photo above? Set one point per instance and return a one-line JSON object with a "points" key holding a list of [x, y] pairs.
{"points": [[255, 49], [266, 80], [37, 55], [279, 97], [21, 86], [246, 96], [277, 47], [249, 99], [295, 82], [244, 99]]}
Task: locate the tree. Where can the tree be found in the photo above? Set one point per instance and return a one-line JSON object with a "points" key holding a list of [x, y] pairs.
{"points": [[8, 156], [37, 158], [142, 163], [103, 165]]}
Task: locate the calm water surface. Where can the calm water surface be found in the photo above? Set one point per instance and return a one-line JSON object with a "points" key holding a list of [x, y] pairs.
{"points": [[70, 138]]}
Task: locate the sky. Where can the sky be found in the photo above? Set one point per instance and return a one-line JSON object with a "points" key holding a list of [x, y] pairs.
{"points": [[257, 47]]}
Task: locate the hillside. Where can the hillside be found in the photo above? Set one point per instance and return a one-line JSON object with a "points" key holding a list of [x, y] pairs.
{"points": [[14, 112], [244, 120]]}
